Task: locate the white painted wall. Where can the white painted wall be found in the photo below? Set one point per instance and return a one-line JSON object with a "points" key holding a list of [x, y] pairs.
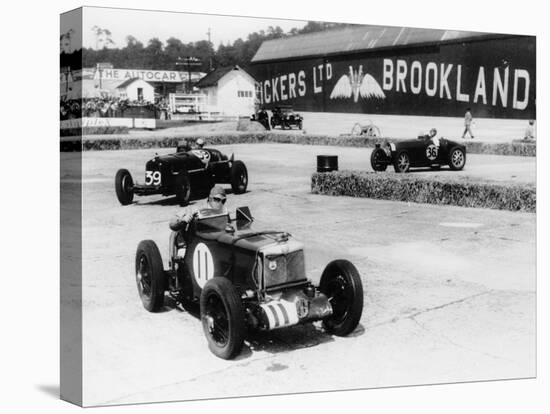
{"points": [[225, 97]]}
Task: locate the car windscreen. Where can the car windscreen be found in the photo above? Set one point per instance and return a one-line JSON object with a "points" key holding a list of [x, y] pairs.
{"points": [[212, 224]]}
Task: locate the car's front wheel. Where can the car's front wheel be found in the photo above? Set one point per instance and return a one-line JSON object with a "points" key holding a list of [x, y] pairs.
{"points": [[378, 160], [150, 277], [342, 285], [222, 317], [124, 187], [239, 177], [402, 162], [457, 158]]}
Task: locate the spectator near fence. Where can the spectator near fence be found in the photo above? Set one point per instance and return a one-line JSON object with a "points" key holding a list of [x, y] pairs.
{"points": [[110, 107]]}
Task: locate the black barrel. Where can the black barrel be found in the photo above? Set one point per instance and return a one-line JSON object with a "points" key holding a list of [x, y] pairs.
{"points": [[327, 163]]}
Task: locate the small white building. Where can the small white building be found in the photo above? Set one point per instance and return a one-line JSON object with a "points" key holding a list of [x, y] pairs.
{"points": [[136, 89], [229, 91]]}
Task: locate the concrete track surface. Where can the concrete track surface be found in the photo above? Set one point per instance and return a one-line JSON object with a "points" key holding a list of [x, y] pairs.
{"points": [[449, 291]]}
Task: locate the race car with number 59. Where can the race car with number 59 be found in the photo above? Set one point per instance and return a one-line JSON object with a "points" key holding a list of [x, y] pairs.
{"points": [[184, 173], [425, 151]]}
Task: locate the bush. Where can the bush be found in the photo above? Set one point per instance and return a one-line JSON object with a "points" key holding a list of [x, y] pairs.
{"points": [[402, 187], [254, 137]]}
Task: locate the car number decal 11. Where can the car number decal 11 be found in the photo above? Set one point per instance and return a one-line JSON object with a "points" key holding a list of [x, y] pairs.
{"points": [[203, 264], [152, 177], [431, 152]]}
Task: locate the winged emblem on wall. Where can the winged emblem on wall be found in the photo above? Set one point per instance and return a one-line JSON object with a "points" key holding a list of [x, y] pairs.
{"points": [[357, 84]]}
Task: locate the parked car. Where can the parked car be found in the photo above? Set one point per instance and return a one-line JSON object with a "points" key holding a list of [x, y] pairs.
{"points": [[184, 173], [425, 151], [285, 117], [246, 279]]}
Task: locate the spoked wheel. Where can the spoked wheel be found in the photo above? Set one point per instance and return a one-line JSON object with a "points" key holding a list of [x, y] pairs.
{"points": [[124, 187], [457, 159], [239, 177], [402, 162], [222, 317], [378, 160], [150, 276], [341, 283]]}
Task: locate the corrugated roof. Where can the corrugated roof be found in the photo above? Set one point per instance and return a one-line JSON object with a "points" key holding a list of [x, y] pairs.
{"points": [[354, 39]]}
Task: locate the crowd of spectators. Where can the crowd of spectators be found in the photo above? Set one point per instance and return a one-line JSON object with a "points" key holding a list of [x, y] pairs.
{"points": [[109, 107]]}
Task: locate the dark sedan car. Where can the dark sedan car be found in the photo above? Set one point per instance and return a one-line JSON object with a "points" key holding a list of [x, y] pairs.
{"points": [[285, 117], [425, 151]]}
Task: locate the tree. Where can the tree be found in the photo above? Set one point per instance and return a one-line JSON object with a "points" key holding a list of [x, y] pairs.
{"points": [[102, 37]]}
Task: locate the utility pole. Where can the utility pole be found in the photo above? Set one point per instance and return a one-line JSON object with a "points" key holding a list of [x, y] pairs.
{"points": [[209, 33], [188, 61]]}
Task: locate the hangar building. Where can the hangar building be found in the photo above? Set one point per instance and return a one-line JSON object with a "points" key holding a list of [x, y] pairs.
{"points": [[399, 70]]}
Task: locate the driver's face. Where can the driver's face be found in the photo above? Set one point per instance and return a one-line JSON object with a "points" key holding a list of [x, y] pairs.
{"points": [[216, 202]]}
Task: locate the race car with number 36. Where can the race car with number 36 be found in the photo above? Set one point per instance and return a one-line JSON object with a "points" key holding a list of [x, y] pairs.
{"points": [[245, 279], [425, 151], [186, 172]]}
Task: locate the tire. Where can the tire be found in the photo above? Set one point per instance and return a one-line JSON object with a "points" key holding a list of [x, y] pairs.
{"points": [[239, 177], [150, 277], [457, 158], [378, 160], [222, 318], [402, 162], [124, 187], [341, 283], [183, 188]]}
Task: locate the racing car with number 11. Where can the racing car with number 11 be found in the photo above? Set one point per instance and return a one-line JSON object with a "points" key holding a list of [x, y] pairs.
{"points": [[246, 279]]}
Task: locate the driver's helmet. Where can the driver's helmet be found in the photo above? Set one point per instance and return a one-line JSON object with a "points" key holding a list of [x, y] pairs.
{"points": [[433, 132], [200, 143]]}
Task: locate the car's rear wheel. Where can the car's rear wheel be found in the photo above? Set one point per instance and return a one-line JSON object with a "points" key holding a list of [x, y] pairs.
{"points": [[378, 160], [222, 317], [341, 283], [402, 162], [457, 158], [150, 277], [183, 188], [239, 177], [124, 187]]}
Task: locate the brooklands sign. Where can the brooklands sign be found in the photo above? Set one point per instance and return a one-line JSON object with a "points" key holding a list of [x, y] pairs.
{"points": [[495, 79], [493, 86]]}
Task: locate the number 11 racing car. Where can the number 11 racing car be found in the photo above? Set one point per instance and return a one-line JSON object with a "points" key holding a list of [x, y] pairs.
{"points": [[246, 279], [184, 173], [425, 151]]}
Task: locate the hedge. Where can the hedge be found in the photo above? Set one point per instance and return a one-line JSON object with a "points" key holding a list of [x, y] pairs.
{"points": [[127, 142], [404, 187]]}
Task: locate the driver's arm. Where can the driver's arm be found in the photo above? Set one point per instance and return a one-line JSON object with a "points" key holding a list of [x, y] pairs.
{"points": [[180, 222]]}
